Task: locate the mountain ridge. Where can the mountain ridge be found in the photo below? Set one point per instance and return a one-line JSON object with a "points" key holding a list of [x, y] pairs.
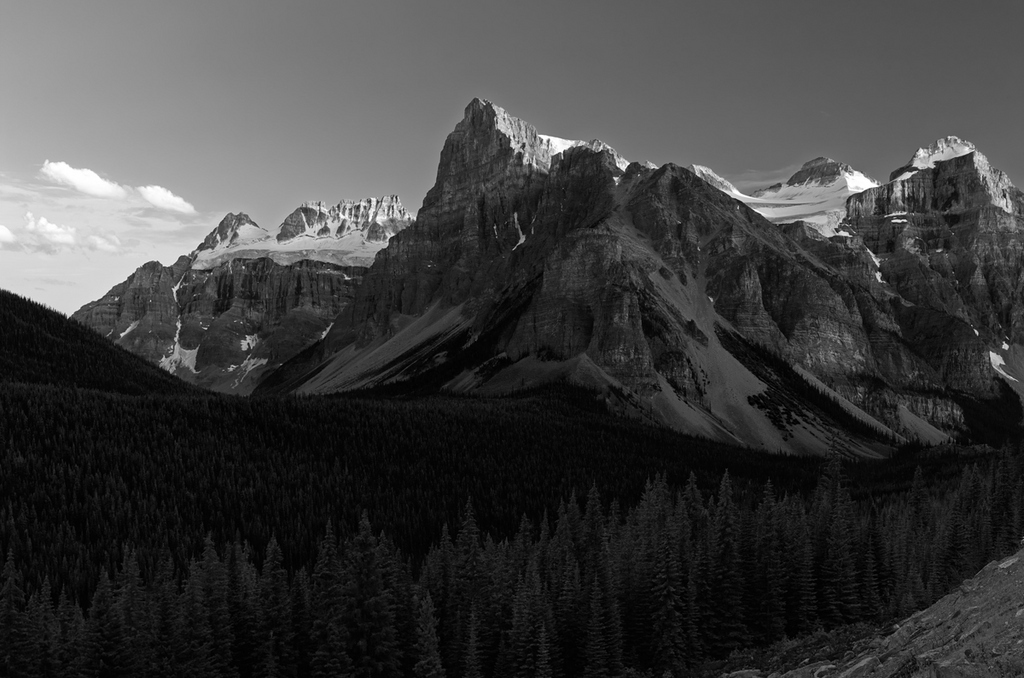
{"points": [[536, 258], [362, 338]]}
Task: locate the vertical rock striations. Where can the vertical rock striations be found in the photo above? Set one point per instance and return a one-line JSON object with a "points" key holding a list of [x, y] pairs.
{"points": [[245, 300]]}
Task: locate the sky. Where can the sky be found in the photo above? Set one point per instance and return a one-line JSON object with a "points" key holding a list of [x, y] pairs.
{"points": [[129, 128]]}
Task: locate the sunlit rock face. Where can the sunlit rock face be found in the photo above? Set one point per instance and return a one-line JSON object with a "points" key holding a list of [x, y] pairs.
{"points": [[534, 256], [246, 300], [947, 230]]}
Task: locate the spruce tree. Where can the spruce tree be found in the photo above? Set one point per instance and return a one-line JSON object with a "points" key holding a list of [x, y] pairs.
{"points": [[15, 635], [329, 633], [428, 653], [368, 609]]}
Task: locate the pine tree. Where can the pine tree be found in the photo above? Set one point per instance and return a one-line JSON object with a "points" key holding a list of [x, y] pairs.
{"points": [[15, 635], [368, 609], [471, 666], [275, 608], [105, 637], [543, 667], [330, 635], [596, 654], [243, 608], [667, 625], [213, 579], [129, 602], [728, 631], [71, 638], [428, 664]]}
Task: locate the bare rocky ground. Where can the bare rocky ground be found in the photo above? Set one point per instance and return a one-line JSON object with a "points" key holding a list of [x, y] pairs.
{"points": [[977, 631]]}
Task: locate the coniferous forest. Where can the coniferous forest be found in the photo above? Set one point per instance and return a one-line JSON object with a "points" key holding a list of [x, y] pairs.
{"points": [[199, 535]]}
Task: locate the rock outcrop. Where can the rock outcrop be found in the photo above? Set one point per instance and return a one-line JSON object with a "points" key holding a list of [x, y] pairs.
{"points": [[245, 301], [948, 238], [526, 263], [977, 631]]}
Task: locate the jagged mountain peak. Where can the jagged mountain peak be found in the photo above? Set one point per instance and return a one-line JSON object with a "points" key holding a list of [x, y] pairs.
{"points": [[349, 232], [940, 150], [945, 148], [232, 229], [537, 149]]}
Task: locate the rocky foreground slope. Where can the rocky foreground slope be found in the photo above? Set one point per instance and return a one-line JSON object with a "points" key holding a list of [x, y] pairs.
{"points": [[977, 631], [247, 299], [531, 261]]}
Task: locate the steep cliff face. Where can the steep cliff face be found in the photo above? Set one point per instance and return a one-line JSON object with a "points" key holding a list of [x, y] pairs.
{"points": [[948, 236], [246, 300], [533, 260]]}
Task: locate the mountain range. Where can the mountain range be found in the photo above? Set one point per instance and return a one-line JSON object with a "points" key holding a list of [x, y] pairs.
{"points": [[832, 312]]}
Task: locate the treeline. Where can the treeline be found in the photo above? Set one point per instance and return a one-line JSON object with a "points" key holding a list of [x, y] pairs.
{"points": [[592, 591], [84, 473], [40, 346]]}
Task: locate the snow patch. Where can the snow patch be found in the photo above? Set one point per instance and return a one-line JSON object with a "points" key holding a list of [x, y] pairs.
{"points": [[943, 149], [899, 221], [557, 145], [522, 236], [324, 335], [246, 367], [249, 343], [180, 357], [975, 332], [1006, 347], [130, 328], [905, 175], [998, 363]]}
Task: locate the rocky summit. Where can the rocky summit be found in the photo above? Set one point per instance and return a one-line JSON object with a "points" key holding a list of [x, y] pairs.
{"points": [[894, 315], [532, 261], [246, 299]]}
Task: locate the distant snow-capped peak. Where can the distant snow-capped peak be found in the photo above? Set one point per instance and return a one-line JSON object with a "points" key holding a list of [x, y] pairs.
{"points": [[822, 172], [815, 194], [348, 233]]}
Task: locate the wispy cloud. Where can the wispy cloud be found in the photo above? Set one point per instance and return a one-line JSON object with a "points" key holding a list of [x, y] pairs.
{"points": [[103, 243], [39, 234], [88, 182], [82, 180], [158, 196]]}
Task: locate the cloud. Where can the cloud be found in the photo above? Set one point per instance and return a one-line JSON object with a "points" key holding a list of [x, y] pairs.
{"points": [[82, 180], [90, 183], [39, 234], [158, 196], [42, 235], [107, 243]]}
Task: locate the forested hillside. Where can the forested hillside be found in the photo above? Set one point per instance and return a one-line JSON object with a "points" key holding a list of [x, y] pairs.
{"points": [[251, 537], [190, 534], [40, 346]]}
